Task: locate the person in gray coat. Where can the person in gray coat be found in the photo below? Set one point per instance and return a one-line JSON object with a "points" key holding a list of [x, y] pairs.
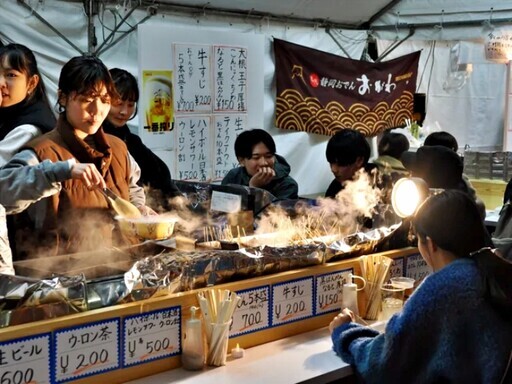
{"points": [[260, 166]]}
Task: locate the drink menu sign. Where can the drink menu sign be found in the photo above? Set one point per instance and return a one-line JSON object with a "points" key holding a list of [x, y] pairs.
{"points": [[25, 360]]}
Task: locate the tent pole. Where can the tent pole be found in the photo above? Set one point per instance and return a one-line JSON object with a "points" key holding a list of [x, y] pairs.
{"points": [[392, 47], [43, 20], [507, 124]]}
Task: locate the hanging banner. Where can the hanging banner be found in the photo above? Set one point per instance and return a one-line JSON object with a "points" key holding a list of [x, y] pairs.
{"points": [[323, 93]]}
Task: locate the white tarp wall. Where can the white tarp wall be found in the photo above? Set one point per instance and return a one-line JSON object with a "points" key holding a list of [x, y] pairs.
{"points": [[305, 152]]}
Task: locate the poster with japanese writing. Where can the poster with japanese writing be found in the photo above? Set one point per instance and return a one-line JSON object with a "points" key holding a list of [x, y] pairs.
{"points": [[329, 287], [214, 74], [227, 128], [194, 154], [230, 79], [252, 312], [322, 93], [193, 92]]}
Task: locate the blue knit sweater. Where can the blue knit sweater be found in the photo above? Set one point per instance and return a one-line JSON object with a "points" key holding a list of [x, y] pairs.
{"points": [[446, 333]]}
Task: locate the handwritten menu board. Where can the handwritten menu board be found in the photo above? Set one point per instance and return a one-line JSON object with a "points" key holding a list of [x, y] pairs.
{"points": [[329, 291], [416, 268], [194, 160], [25, 360], [193, 91], [86, 350], [252, 312], [213, 73], [292, 301], [230, 68], [227, 128], [396, 268], [152, 335]]}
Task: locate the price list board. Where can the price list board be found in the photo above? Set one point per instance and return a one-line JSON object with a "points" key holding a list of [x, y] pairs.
{"points": [[25, 360], [86, 350], [292, 300], [329, 291], [152, 335], [396, 268], [416, 268], [252, 312]]}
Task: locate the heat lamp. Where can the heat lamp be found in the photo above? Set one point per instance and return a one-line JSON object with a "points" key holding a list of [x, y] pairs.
{"points": [[407, 195]]}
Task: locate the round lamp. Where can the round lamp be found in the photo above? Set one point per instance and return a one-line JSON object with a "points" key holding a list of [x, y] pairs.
{"points": [[407, 195]]}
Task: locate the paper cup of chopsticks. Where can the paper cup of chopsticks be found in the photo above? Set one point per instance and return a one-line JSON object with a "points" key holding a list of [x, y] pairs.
{"points": [[375, 270], [218, 307]]}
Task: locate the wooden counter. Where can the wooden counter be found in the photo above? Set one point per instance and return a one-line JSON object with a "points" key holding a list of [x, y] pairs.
{"points": [[59, 331]]}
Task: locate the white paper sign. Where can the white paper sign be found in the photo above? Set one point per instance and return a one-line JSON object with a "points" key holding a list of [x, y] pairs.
{"points": [[417, 268], [86, 350], [25, 360], [292, 301], [227, 129], [498, 46], [152, 335], [230, 78], [192, 78], [329, 291], [396, 268], [194, 159], [252, 311], [225, 202]]}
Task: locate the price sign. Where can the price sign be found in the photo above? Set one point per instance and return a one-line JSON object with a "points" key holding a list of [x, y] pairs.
{"points": [[86, 350], [328, 291], [25, 360], [397, 267], [417, 268], [292, 301], [150, 336], [252, 312]]}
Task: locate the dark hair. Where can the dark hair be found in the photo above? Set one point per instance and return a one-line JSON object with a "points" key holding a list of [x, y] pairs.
{"points": [[393, 144], [346, 146], [246, 141], [451, 219], [83, 75], [442, 138], [126, 86], [22, 59]]}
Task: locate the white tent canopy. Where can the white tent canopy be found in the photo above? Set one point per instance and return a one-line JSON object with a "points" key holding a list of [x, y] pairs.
{"points": [[473, 111]]}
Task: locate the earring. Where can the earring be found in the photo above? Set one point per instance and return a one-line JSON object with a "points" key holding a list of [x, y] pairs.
{"points": [[61, 108]]}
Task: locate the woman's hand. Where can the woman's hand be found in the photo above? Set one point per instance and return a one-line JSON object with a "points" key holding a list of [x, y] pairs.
{"points": [[345, 316], [89, 174], [262, 177]]}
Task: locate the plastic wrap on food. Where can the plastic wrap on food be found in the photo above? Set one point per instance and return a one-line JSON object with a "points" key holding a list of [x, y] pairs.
{"points": [[359, 243], [24, 300]]}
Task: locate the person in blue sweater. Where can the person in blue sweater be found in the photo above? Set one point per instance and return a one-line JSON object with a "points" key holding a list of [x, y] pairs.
{"points": [[457, 326], [260, 166]]}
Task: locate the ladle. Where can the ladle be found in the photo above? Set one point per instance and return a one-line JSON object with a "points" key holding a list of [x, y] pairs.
{"points": [[122, 207]]}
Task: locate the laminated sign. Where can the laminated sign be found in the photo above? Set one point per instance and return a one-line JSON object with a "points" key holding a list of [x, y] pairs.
{"points": [[323, 93]]}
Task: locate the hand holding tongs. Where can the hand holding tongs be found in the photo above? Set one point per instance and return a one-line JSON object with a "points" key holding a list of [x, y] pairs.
{"points": [[122, 207]]}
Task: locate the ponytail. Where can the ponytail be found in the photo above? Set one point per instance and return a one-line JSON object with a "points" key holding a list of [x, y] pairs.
{"points": [[496, 273]]}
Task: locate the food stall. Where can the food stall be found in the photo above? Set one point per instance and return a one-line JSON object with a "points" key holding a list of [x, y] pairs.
{"points": [[103, 326]]}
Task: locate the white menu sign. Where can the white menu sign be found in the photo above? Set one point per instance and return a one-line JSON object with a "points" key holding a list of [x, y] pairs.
{"points": [[86, 350], [25, 360], [292, 301], [152, 335], [252, 311], [417, 268], [329, 291]]}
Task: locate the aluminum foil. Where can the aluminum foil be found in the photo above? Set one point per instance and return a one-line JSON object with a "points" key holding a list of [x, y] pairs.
{"points": [[24, 300], [182, 271]]}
